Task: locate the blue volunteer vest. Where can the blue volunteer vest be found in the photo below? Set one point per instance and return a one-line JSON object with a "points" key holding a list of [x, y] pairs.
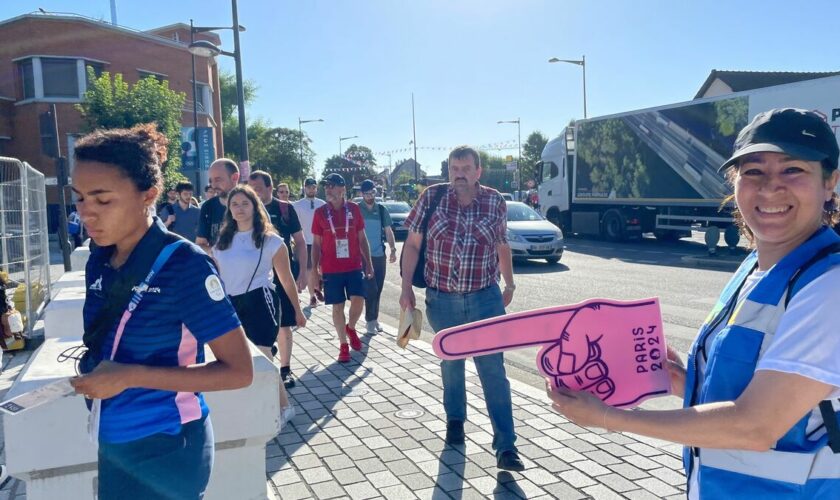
{"points": [[800, 465]]}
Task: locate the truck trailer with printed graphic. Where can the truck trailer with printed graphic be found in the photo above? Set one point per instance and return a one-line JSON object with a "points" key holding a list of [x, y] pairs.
{"points": [[655, 170]]}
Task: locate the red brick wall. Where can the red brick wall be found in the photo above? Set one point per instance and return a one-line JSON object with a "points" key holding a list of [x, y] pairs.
{"points": [[122, 51]]}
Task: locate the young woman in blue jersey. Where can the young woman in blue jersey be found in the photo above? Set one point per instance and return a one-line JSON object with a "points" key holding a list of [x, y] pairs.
{"points": [[763, 379], [247, 251], [155, 436]]}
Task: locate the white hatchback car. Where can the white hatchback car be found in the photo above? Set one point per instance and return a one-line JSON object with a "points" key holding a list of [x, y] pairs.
{"points": [[530, 236]]}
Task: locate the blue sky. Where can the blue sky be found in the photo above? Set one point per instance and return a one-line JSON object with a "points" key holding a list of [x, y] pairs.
{"points": [[471, 63]]}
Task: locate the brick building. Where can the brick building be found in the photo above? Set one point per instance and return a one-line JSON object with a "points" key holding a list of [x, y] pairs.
{"points": [[43, 60]]}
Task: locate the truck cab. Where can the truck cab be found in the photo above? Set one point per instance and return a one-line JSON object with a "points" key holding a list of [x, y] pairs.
{"points": [[555, 183]]}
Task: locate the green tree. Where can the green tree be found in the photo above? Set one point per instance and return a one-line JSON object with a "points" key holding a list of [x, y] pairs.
{"points": [[531, 152], [110, 102], [491, 162], [277, 151], [228, 95]]}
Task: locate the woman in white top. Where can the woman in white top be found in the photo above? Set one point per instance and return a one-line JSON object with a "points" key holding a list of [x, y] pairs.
{"points": [[247, 253]]}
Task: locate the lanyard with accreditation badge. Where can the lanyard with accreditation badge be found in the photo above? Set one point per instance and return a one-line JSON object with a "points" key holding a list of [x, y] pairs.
{"points": [[342, 245]]}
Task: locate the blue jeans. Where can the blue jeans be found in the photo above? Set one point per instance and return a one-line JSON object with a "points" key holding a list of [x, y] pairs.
{"points": [[445, 310], [161, 466]]}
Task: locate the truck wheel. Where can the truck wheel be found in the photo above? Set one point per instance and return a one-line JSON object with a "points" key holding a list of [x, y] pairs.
{"points": [[613, 226]]}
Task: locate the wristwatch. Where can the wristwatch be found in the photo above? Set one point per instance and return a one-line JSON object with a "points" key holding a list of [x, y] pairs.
{"points": [[510, 287]]}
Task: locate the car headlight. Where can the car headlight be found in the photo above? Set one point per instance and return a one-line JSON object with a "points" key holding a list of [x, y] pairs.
{"points": [[514, 237]]}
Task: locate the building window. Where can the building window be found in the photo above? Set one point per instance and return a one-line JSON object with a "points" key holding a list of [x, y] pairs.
{"points": [[27, 78], [204, 97], [157, 76], [60, 77]]}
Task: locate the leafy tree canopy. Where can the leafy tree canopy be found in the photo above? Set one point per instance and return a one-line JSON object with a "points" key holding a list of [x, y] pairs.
{"points": [[110, 102]]}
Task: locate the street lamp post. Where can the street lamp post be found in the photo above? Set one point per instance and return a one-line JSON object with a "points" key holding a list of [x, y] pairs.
{"points": [[204, 48], [519, 147], [582, 64], [340, 151], [197, 165], [300, 129]]}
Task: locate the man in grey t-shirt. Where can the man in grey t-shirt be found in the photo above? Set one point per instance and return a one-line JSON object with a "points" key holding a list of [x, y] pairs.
{"points": [[181, 217]]}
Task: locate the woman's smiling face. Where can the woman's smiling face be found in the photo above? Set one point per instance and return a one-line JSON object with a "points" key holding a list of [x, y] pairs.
{"points": [[781, 199]]}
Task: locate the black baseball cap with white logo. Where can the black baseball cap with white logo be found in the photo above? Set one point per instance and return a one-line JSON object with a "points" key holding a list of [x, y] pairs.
{"points": [[799, 133]]}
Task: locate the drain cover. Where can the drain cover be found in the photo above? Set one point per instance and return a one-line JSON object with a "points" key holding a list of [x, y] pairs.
{"points": [[409, 413]]}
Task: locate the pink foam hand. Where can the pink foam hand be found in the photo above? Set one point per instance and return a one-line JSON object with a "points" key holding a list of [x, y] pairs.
{"points": [[613, 349]]}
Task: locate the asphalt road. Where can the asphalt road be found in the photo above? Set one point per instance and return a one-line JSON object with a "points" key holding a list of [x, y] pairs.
{"points": [[592, 268]]}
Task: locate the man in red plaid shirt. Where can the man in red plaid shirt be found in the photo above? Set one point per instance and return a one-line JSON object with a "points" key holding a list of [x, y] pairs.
{"points": [[466, 250]]}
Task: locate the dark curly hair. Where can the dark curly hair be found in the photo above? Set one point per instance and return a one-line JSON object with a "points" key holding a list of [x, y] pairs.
{"points": [[262, 223], [138, 151], [831, 215]]}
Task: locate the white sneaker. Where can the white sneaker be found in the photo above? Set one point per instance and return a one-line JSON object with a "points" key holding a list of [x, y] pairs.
{"points": [[379, 327], [371, 326], [288, 414]]}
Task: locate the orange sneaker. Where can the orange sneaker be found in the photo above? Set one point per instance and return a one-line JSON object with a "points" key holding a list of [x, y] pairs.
{"points": [[344, 353], [355, 343]]}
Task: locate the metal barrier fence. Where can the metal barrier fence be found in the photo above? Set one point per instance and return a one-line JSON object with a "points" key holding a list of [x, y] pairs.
{"points": [[24, 242]]}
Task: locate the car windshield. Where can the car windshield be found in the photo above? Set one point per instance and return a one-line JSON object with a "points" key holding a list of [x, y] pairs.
{"points": [[521, 212], [398, 207]]}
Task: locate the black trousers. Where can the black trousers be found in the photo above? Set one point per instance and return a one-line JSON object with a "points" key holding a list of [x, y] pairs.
{"points": [[373, 288]]}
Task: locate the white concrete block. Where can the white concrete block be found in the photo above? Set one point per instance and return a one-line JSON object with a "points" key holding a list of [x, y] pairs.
{"points": [[63, 315], [48, 447], [69, 279], [79, 258]]}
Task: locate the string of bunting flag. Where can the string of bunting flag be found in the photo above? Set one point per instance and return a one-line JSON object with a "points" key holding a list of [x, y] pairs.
{"points": [[496, 146]]}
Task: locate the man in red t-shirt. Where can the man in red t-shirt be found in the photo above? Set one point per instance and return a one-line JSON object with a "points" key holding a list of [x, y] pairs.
{"points": [[340, 248]]}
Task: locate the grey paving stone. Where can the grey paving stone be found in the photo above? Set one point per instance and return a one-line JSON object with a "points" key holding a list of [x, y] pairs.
{"points": [[576, 478], [349, 476], [449, 482], [524, 488], [405, 443], [369, 465], [432, 494], [289, 438], [641, 494], [338, 462], [532, 451], [389, 454], [275, 463], [669, 461], [590, 468], [527, 432], [672, 477], [616, 450], [563, 491], [451, 456], [540, 477], [382, 479], [330, 489], [601, 457], [417, 481], [657, 487], [294, 491], [316, 475], [364, 432], [403, 467], [361, 491], [345, 442], [326, 450], [358, 452], [579, 445], [396, 491], [393, 433], [617, 482], [284, 477], [470, 470], [628, 471], [553, 464], [643, 449], [601, 492]]}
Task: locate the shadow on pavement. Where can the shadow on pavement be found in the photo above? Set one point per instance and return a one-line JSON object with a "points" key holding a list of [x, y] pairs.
{"points": [[538, 267]]}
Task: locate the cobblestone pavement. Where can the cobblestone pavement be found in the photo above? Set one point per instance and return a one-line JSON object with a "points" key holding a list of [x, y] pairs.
{"points": [[374, 428]]}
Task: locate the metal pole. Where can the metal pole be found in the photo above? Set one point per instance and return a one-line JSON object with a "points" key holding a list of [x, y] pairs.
{"points": [[300, 130], [197, 165], [61, 177], [519, 158], [414, 134], [240, 88], [583, 63], [24, 213]]}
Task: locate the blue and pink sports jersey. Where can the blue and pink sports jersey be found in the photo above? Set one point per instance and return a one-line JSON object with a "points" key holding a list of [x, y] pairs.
{"points": [[184, 308]]}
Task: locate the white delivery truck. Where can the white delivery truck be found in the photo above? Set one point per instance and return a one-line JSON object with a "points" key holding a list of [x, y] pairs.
{"points": [[655, 170]]}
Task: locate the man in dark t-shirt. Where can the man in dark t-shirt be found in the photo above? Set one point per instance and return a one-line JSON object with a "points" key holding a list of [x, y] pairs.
{"points": [[224, 174], [285, 220]]}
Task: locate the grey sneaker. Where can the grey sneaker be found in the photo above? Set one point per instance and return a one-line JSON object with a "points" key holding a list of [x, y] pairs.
{"points": [[371, 327], [379, 327]]}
